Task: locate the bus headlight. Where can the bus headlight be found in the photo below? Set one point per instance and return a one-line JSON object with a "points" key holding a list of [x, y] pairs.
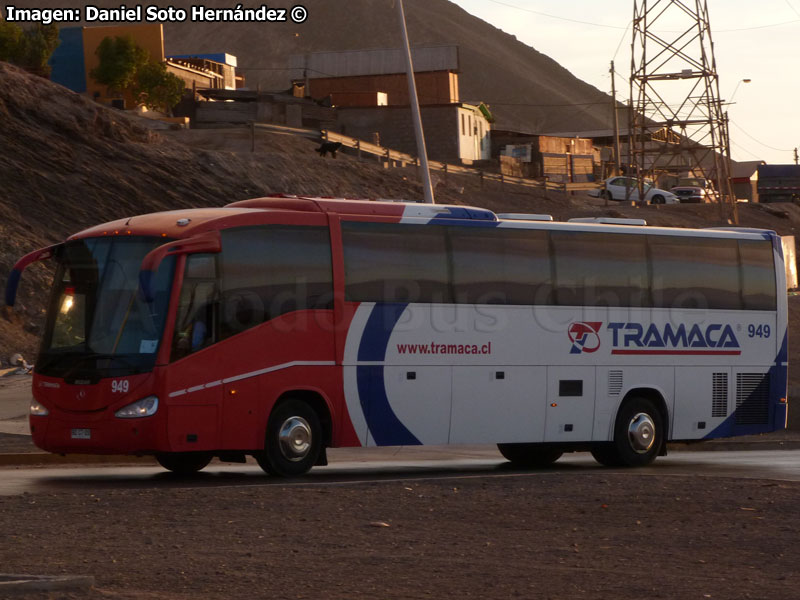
{"points": [[146, 407], [38, 410]]}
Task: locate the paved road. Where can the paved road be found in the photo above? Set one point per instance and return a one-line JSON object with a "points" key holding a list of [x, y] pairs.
{"points": [[349, 466]]}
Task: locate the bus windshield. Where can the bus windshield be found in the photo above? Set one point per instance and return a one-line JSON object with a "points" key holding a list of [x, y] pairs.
{"points": [[98, 324]]}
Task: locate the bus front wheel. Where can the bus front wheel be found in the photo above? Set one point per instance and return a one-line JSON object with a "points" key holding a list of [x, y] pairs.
{"points": [[184, 463], [529, 455], [293, 441], [638, 436]]}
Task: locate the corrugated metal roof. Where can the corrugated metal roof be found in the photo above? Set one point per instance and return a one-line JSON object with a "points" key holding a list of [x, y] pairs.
{"points": [[383, 61]]}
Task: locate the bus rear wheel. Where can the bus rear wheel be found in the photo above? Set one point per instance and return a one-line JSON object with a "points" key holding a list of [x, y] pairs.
{"points": [[529, 455], [293, 440], [184, 463], [638, 436]]}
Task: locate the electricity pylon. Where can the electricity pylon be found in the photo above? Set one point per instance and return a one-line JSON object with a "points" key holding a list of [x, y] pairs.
{"points": [[678, 124]]}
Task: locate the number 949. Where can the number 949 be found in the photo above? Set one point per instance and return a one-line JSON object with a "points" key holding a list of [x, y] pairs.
{"points": [[760, 331]]}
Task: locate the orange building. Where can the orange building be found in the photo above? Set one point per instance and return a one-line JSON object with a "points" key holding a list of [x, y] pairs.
{"points": [[76, 57]]}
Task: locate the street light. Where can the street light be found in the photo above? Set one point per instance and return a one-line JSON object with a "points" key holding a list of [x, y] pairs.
{"points": [[736, 89]]}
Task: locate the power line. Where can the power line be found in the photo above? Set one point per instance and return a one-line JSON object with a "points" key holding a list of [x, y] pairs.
{"points": [[595, 24], [739, 127], [745, 150], [549, 16], [622, 39], [794, 10]]}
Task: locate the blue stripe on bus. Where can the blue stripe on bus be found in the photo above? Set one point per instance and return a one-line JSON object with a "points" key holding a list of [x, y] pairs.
{"points": [[460, 212], [778, 380], [777, 377], [384, 425]]}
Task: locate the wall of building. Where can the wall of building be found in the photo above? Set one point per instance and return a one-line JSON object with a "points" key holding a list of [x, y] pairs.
{"points": [[474, 138], [67, 61], [438, 87], [193, 78], [395, 128]]}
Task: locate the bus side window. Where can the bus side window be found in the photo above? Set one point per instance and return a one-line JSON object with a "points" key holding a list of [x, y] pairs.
{"points": [[393, 262], [500, 266], [695, 272], [270, 270], [758, 275], [600, 269]]}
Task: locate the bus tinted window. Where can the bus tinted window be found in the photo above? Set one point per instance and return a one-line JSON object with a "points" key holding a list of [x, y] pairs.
{"points": [[693, 272], [500, 266], [272, 270], [388, 262], [600, 269], [758, 275]]}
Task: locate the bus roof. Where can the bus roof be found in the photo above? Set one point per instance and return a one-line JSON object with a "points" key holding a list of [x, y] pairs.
{"points": [[184, 223]]}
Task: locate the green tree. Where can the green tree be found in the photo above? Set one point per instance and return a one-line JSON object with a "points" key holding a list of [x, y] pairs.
{"points": [[120, 59], [10, 36], [156, 88], [36, 47], [30, 49]]}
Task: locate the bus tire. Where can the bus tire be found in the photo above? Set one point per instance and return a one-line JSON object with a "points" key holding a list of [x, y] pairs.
{"points": [[638, 436], [529, 455], [293, 441], [606, 455], [184, 463]]}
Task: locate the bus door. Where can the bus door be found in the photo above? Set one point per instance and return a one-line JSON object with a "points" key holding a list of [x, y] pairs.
{"points": [[195, 373]]}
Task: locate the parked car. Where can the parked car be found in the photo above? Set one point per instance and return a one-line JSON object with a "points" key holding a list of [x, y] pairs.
{"points": [[622, 188], [694, 189]]}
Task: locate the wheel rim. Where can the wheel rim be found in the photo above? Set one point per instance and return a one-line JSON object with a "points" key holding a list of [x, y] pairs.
{"points": [[641, 433], [295, 438]]}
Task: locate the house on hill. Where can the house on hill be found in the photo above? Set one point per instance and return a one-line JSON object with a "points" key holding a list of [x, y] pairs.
{"points": [[76, 57], [369, 89]]}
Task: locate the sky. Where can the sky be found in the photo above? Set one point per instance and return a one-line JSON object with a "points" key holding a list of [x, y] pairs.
{"points": [[756, 40]]}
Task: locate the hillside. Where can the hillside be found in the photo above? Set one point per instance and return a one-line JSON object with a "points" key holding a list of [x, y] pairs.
{"points": [[67, 163], [526, 89], [495, 67]]}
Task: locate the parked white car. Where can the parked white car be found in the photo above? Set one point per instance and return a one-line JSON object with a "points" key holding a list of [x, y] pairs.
{"points": [[618, 188]]}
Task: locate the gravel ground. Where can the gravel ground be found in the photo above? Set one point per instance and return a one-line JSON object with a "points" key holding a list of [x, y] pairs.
{"points": [[541, 535]]}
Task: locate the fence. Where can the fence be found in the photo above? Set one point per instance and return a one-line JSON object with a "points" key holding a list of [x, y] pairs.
{"points": [[401, 158]]}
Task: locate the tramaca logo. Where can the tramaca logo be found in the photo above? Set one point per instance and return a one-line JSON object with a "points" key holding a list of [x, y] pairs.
{"points": [[585, 337]]}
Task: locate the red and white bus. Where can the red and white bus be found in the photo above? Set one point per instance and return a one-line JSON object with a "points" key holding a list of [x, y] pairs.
{"points": [[278, 327]]}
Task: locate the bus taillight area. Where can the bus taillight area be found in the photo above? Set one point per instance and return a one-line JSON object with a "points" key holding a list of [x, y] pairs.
{"points": [[112, 416]]}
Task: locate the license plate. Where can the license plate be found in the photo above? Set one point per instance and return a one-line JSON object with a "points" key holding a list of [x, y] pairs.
{"points": [[81, 434]]}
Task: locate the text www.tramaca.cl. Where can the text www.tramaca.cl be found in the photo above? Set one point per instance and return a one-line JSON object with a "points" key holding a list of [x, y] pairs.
{"points": [[444, 348]]}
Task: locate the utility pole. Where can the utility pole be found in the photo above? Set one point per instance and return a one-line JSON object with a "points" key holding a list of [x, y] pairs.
{"points": [[796, 158], [413, 100], [617, 155]]}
